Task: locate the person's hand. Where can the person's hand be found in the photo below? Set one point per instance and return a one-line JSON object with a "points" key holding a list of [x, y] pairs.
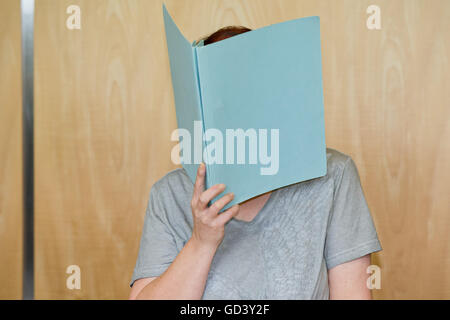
{"points": [[209, 225]]}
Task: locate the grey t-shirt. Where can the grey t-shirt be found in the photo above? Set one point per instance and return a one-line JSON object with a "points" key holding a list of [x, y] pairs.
{"points": [[284, 253]]}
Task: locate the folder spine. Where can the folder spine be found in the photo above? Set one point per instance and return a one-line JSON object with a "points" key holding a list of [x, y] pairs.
{"points": [[209, 171]]}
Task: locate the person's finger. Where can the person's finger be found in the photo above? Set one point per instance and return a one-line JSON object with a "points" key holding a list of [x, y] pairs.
{"points": [[199, 185], [215, 208], [210, 194], [227, 215]]}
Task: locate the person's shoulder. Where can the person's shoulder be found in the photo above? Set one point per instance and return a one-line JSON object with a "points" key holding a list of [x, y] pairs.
{"points": [[174, 180], [177, 175], [170, 198], [337, 161], [172, 193]]}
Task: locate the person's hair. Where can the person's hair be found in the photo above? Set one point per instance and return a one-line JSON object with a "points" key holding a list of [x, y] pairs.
{"points": [[224, 33]]}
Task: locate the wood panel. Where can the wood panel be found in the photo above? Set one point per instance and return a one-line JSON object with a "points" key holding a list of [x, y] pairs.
{"points": [[10, 151], [388, 106], [103, 119], [104, 114]]}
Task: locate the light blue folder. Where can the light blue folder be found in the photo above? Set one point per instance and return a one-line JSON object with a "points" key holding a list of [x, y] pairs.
{"points": [[269, 78]]}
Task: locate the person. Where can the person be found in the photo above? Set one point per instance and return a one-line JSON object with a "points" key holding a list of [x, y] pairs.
{"points": [[309, 240]]}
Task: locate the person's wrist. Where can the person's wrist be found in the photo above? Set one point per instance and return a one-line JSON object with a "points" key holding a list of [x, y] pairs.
{"points": [[202, 246]]}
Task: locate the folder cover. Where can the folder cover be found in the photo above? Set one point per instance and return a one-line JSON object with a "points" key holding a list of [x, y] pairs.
{"points": [[259, 92]]}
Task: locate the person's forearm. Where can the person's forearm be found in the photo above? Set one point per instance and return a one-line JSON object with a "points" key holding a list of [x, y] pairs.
{"points": [[185, 278]]}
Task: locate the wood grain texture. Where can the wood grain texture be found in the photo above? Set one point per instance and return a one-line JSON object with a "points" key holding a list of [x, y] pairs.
{"points": [[103, 119], [104, 115], [10, 151]]}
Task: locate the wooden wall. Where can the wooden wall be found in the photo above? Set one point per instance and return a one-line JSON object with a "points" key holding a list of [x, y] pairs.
{"points": [[104, 114], [387, 104], [103, 123], [10, 151]]}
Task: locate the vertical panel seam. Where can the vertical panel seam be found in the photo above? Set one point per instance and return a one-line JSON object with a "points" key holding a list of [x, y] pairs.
{"points": [[27, 23]]}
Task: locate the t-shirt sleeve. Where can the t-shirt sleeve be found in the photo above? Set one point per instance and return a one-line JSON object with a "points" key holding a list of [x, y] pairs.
{"points": [[157, 248], [351, 232]]}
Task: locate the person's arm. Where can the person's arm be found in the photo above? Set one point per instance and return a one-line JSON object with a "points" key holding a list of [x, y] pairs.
{"points": [[348, 281], [186, 277]]}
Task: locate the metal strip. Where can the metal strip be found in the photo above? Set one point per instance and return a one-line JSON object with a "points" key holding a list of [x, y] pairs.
{"points": [[27, 16]]}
